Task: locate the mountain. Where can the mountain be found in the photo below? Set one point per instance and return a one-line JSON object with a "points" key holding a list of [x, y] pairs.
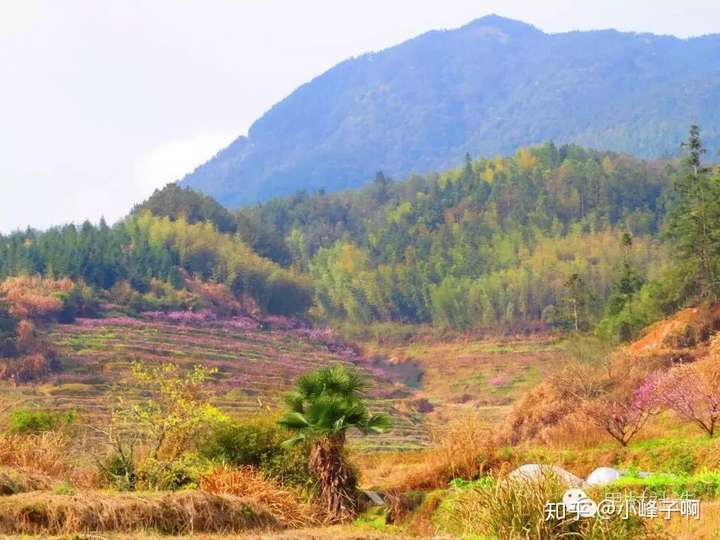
{"points": [[488, 87]]}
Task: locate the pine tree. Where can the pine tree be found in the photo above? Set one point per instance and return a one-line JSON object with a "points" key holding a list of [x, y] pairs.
{"points": [[694, 221]]}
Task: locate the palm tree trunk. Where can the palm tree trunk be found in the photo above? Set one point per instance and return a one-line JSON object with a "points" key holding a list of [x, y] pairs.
{"points": [[337, 481]]}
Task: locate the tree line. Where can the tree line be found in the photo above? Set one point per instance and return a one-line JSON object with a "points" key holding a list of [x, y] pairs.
{"points": [[143, 250], [547, 233]]}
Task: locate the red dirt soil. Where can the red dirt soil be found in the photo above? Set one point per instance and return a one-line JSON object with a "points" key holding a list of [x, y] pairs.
{"points": [[682, 332]]}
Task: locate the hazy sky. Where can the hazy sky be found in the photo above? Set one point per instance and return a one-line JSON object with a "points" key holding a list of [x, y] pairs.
{"points": [[102, 101]]}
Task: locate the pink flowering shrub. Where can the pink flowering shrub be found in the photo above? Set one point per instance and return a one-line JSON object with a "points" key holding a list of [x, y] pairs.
{"points": [[280, 322], [242, 323], [108, 321], [181, 317], [623, 411], [692, 391], [499, 380]]}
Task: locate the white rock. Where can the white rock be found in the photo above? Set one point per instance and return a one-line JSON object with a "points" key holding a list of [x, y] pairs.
{"points": [[533, 472], [603, 476]]}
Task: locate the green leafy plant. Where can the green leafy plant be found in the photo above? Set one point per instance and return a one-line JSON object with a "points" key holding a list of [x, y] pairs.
{"points": [[29, 421], [258, 443], [325, 404]]}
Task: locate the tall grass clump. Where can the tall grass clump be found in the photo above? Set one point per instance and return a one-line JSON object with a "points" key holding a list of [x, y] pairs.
{"points": [[516, 510], [252, 484], [463, 449], [45, 452]]}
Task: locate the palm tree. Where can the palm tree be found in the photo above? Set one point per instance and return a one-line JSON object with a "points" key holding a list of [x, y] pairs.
{"points": [[323, 406]]}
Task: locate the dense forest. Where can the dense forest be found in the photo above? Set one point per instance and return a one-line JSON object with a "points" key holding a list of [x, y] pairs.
{"points": [[154, 257], [525, 237], [572, 237]]}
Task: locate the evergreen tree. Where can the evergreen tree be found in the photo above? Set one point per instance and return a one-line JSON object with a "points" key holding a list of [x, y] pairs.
{"points": [[694, 222]]}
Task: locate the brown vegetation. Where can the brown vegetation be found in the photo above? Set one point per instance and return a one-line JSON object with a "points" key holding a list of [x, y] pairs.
{"points": [[46, 453], [251, 484], [534, 414], [45, 456], [175, 513], [34, 297], [464, 449], [14, 481], [29, 357]]}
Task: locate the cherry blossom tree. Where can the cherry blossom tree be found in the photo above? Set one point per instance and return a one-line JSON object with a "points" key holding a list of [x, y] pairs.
{"points": [[693, 393], [622, 414]]}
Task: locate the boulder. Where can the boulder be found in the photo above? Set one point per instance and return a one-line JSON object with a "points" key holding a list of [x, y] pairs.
{"points": [[533, 472], [603, 476]]}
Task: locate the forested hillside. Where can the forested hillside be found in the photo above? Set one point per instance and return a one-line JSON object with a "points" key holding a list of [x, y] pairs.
{"points": [[575, 238], [489, 87], [147, 262], [533, 236]]}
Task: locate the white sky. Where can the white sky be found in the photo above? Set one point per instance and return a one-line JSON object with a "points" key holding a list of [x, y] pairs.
{"points": [[102, 101]]}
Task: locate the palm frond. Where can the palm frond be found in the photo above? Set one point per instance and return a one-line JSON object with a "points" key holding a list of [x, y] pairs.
{"points": [[297, 439], [330, 401], [377, 423], [294, 421], [294, 400]]}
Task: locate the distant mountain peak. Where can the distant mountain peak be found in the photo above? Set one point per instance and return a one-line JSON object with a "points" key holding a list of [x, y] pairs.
{"points": [[487, 88], [506, 25]]}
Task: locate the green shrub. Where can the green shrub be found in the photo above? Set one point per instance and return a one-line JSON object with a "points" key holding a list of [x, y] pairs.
{"points": [[288, 294], [119, 471], [80, 301], [181, 473], [27, 421], [258, 443]]}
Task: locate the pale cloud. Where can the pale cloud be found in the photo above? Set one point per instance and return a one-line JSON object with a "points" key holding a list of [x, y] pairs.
{"points": [[170, 161]]}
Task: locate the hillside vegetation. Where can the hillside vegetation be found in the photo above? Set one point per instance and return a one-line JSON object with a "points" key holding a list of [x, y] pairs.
{"points": [[529, 237], [488, 88], [157, 258]]}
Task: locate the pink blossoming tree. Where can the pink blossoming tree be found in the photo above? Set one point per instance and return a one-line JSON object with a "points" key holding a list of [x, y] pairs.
{"points": [[693, 393]]}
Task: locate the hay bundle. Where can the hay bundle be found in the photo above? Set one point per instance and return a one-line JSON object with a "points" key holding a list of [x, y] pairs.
{"points": [[175, 513]]}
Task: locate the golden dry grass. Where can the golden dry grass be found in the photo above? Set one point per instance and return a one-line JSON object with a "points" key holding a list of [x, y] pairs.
{"points": [[46, 452], [87, 512], [253, 485], [14, 481], [339, 532], [462, 449], [705, 528]]}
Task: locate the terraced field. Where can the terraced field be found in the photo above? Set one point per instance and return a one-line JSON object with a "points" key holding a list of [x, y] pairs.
{"points": [[254, 367], [421, 385], [474, 376]]}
